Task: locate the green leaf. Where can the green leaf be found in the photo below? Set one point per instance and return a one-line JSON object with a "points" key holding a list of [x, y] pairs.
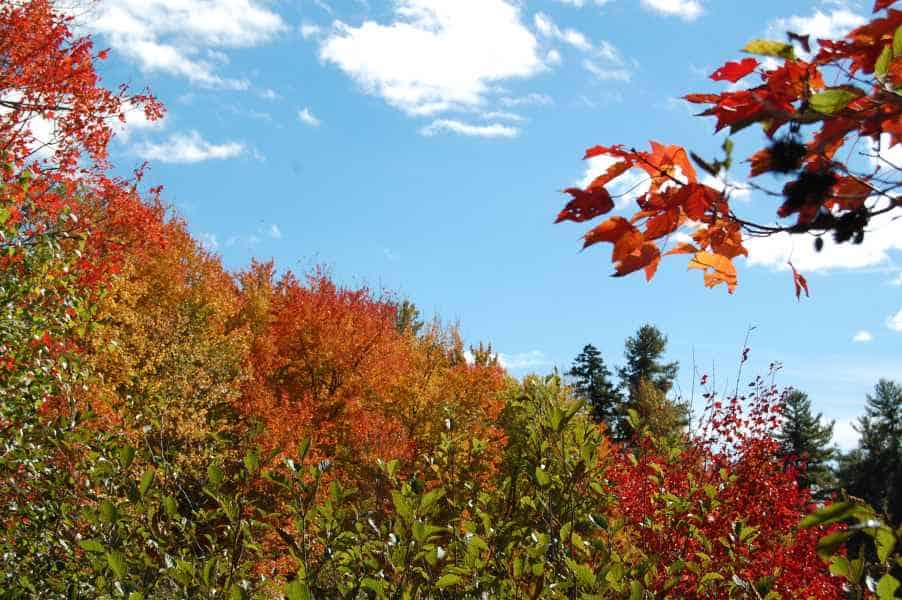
{"points": [[886, 587], [297, 590], [251, 461], [897, 42], [881, 66], [108, 512], [171, 506], [829, 544], [832, 100], [447, 580], [92, 546], [215, 476], [885, 542], [126, 456], [637, 592], [542, 477], [303, 448], [4, 215], [770, 48], [402, 507], [840, 567], [117, 563], [146, 481], [838, 511]]}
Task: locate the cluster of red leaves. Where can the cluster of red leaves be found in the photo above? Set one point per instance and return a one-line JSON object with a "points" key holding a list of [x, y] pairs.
{"points": [[59, 184], [726, 501], [825, 193]]}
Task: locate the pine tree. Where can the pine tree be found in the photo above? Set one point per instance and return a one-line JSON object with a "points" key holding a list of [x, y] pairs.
{"points": [[647, 379], [874, 471], [643, 354], [805, 442], [591, 381]]}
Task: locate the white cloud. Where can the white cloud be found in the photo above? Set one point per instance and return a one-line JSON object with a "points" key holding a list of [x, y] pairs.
{"points": [[844, 434], [270, 94], [173, 36], [737, 191], [581, 3], [819, 25], [500, 114], [135, 120], [894, 322], [438, 54], [625, 189], [545, 26], [897, 280], [882, 241], [607, 64], [187, 148], [493, 130], [274, 232], [604, 73], [523, 360], [688, 10], [310, 31], [533, 98], [553, 57], [863, 337], [308, 118]]}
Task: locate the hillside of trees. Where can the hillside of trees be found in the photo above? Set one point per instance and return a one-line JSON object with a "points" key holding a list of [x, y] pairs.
{"points": [[173, 429]]}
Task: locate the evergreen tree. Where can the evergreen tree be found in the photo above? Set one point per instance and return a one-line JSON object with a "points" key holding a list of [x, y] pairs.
{"points": [[874, 471], [591, 381], [407, 318], [647, 379], [806, 442], [643, 354]]}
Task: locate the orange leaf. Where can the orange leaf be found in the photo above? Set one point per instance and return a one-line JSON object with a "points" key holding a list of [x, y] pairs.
{"points": [[626, 244], [609, 231], [800, 282], [682, 248], [586, 205], [722, 269], [613, 172], [647, 256], [663, 224]]}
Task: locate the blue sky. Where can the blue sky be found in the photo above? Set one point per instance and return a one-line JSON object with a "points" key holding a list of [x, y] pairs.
{"points": [[420, 146]]}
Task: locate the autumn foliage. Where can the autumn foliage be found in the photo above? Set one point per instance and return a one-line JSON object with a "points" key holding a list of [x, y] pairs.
{"points": [[807, 123], [173, 429]]}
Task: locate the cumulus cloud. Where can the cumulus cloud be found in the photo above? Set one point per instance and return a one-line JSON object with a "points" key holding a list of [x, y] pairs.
{"points": [[882, 241], [435, 55], [688, 10], [493, 130], [844, 433], [819, 25], [187, 147], [863, 337], [184, 37], [307, 117]]}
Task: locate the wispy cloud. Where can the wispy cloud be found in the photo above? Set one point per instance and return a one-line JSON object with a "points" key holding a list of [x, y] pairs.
{"points": [[894, 322], [493, 130], [187, 147], [523, 360], [688, 10], [307, 117]]}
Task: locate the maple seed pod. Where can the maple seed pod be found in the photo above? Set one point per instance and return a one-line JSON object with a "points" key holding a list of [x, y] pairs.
{"points": [[818, 244], [786, 154]]}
